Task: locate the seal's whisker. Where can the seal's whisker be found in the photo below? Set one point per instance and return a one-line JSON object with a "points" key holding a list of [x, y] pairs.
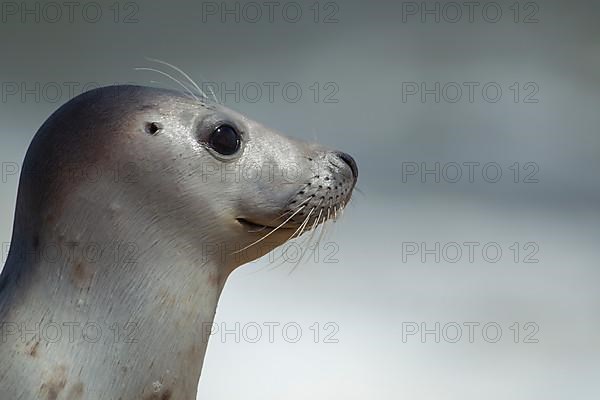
{"points": [[302, 226], [344, 204], [322, 233], [200, 91], [302, 244], [318, 217], [322, 226], [170, 77], [297, 235], [281, 216], [298, 231], [339, 213], [292, 210], [161, 83], [309, 239], [315, 227], [270, 233], [281, 260], [307, 243], [215, 98]]}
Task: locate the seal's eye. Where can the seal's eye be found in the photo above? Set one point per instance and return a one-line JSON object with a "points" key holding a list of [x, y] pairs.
{"points": [[225, 140]]}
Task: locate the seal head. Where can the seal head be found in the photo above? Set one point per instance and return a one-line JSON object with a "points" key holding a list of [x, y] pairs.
{"points": [[171, 194]]}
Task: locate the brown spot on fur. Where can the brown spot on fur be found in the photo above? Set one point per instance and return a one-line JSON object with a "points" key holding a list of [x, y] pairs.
{"points": [[194, 354], [166, 394], [55, 384], [76, 392], [214, 279], [81, 275], [33, 349], [167, 298]]}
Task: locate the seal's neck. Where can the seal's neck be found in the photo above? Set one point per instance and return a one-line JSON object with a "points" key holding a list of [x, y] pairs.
{"points": [[133, 316]]}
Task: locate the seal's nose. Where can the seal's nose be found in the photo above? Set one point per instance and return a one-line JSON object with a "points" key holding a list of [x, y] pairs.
{"points": [[347, 158]]}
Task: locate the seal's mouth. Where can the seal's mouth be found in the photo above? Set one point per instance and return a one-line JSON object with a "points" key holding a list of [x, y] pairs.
{"points": [[254, 227], [250, 225]]}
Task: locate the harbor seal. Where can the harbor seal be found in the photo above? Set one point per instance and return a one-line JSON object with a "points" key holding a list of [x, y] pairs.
{"points": [[134, 205]]}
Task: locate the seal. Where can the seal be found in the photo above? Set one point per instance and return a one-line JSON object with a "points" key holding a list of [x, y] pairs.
{"points": [[134, 206]]}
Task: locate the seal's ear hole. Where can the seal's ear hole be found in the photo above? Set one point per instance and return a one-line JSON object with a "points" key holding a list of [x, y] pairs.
{"points": [[152, 128]]}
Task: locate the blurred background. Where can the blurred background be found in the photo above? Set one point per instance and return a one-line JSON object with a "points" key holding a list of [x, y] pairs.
{"points": [[467, 266]]}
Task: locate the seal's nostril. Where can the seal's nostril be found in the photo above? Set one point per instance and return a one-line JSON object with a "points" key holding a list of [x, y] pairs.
{"points": [[347, 158]]}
